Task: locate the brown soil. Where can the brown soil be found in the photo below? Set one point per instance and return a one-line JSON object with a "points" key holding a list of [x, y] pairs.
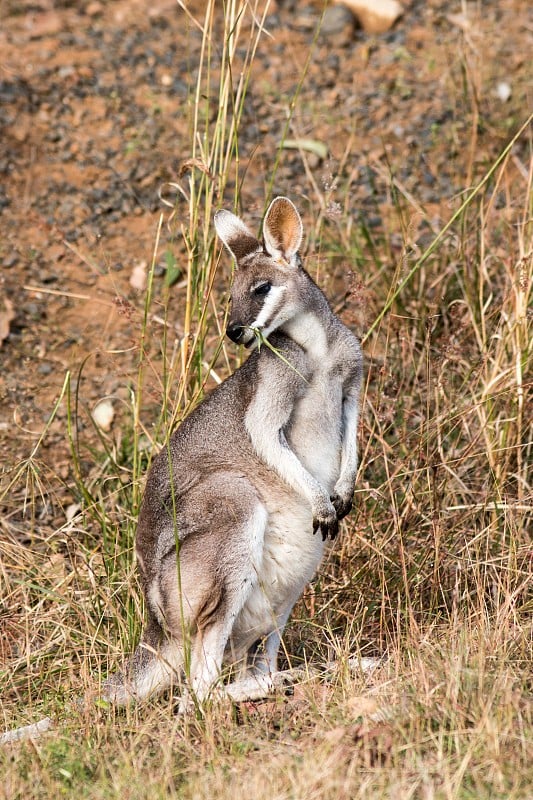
{"points": [[93, 122]]}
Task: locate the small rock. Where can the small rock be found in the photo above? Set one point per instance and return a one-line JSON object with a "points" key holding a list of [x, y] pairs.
{"points": [[503, 91], [272, 22], [138, 276], [304, 19], [72, 511], [67, 71], [375, 16], [94, 9], [33, 310], [162, 9], [21, 132], [43, 24], [461, 21], [104, 414], [11, 261], [338, 25], [7, 315]]}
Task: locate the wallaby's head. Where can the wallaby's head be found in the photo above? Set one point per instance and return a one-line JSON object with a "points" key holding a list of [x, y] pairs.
{"points": [[268, 282]]}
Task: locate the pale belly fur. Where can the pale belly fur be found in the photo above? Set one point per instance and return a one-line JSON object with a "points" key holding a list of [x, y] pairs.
{"points": [[290, 556]]}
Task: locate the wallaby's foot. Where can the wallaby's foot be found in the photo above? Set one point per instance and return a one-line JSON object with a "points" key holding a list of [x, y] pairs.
{"points": [[259, 686], [134, 685], [115, 691], [252, 687]]}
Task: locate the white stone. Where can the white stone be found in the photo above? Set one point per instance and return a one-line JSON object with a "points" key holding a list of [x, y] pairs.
{"points": [[72, 511], [375, 16], [138, 277], [104, 414], [503, 91]]}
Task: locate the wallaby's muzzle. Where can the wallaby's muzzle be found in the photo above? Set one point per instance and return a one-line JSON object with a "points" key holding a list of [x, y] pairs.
{"points": [[235, 333]]}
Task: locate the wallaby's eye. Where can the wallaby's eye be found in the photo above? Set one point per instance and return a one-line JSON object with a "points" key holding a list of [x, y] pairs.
{"points": [[262, 289]]}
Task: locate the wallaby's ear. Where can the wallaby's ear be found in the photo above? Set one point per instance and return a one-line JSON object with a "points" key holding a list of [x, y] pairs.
{"points": [[235, 235], [283, 230]]}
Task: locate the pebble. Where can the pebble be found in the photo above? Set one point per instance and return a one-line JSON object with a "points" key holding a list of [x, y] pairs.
{"points": [[375, 16], [272, 22], [33, 310], [94, 9], [503, 91], [338, 25], [306, 19], [104, 414], [10, 261]]}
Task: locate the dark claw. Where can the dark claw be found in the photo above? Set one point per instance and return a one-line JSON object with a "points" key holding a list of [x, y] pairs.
{"points": [[326, 529], [342, 507]]}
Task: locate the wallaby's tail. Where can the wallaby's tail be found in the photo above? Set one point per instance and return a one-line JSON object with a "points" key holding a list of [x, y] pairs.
{"points": [[27, 731]]}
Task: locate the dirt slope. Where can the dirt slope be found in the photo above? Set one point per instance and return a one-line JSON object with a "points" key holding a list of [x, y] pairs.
{"points": [[93, 116]]}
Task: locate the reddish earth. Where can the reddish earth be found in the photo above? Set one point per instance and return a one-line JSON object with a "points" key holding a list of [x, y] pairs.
{"points": [[93, 116]]}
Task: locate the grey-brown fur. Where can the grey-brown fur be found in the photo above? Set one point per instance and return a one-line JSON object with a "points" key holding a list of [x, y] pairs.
{"points": [[266, 462]]}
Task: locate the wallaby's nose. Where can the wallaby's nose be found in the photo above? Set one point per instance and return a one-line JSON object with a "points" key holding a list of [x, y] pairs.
{"points": [[235, 333]]}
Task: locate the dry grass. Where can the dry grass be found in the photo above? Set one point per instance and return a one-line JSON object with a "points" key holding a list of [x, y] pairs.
{"points": [[433, 568]]}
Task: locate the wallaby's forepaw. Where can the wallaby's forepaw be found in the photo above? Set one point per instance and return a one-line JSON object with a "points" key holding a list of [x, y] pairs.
{"points": [[326, 522], [342, 505]]}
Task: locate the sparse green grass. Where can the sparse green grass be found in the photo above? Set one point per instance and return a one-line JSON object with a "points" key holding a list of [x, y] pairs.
{"points": [[433, 567]]}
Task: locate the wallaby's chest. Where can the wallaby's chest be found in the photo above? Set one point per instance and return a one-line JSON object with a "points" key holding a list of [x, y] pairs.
{"points": [[315, 428]]}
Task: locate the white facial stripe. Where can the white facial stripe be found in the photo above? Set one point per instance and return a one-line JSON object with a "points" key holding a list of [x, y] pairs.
{"points": [[267, 313]]}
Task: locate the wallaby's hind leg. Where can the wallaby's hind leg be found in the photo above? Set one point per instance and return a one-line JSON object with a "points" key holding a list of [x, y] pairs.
{"points": [[240, 556], [258, 679], [153, 667], [264, 660], [198, 593], [201, 590]]}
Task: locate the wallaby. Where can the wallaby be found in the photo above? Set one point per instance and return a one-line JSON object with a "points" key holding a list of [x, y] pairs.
{"points": [[226, 535]]}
